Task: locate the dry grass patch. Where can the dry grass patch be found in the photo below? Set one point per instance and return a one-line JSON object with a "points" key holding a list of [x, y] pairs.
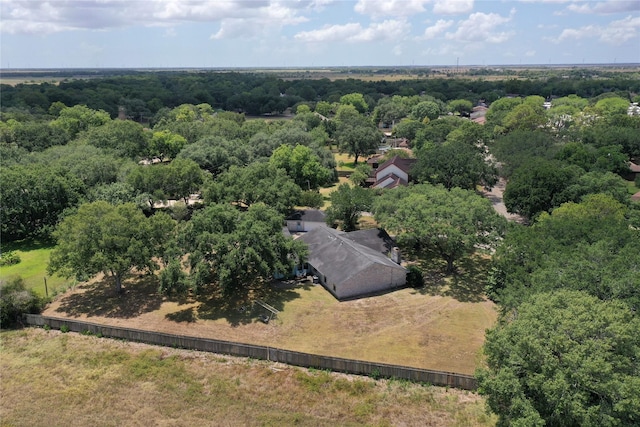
{"points": [[440, 327], [73, 380]]}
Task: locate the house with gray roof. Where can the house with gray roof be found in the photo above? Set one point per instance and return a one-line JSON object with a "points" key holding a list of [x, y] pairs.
{"points": [[305, 220], [349, 269]]}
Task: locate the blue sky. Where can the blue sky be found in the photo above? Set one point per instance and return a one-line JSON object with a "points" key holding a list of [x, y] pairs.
{"points": [[315, 33]]}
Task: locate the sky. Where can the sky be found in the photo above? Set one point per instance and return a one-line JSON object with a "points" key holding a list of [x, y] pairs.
{"points": [[315, 33]]}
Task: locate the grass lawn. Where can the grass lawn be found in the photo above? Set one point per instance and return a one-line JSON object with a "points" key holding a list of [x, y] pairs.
{"points": [[34, 257], [51, 378], [632, 187]]}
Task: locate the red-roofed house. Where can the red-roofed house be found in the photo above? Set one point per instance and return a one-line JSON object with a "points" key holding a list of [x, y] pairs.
{"points": [[394, 172]]}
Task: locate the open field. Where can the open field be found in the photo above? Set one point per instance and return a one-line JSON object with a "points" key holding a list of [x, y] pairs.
{"points": [[51, 378], [33, 267], [440, 327]]}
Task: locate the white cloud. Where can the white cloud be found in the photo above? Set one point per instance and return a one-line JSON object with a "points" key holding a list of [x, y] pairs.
{"points": [[382, 8], [449, 7], [354, 32], [40, 16], [437, 29], [605, 7], [616, 33], [482, 27]]}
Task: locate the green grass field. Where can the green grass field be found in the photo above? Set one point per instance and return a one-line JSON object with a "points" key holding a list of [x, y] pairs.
{"points": [[32, 268], [52, 378]]}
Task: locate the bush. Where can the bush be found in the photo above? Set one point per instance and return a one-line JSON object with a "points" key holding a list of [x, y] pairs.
{"points": [[9, 258], [415, 279], [16, 300]]}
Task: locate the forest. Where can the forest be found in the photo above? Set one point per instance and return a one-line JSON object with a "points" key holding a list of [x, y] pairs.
{"points": [[189, 175]]}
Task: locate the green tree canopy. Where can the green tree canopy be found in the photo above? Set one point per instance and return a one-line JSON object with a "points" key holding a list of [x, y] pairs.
{"points": [[257, 182], [454, 164], [428, 109], [216, 154], [449, 223], [80, 118], [238, 251], [166, 144], [33, 197], [347, 204], [587, 246], [102, 237], [301, 164], [122, 137], [538, 186], [564, 359], [356, 135], [357, 100]]}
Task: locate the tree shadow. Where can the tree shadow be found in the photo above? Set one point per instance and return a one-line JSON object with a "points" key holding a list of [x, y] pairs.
{"points": [[140, 295], [188, 315], [242, 309], [26, 245], [469, 281], [466, 284]]}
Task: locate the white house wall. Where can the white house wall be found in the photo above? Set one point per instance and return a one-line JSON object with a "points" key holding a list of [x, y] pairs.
{"points": [[392, 169], [293, 226], [374, 279]]}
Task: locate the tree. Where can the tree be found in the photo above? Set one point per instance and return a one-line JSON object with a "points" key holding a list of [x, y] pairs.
{"points": [[184, 178], [538, 186], [357, 100], [587, 246], [166, 144], [347, 204], [460, 106], [33, 136], [16, 300], [520, 147], [564, 359], [238, 251], [301, 164], [80, 118], [611, 106], [428, 109], [216, 154], [124, 138], [525, 116], [257, 182], [454, 165], [102, 237], [357, 136], [451, 223], [33, 197]]}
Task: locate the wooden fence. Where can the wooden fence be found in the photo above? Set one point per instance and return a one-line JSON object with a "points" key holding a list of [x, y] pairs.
{"points": [[357, 367]]}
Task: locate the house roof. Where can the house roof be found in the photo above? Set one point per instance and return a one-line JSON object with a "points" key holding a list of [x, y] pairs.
{"points": [[309, 215], [402, 163], [636, 197], [634, 168], [375, 238], [396, 181], [332, 253]]}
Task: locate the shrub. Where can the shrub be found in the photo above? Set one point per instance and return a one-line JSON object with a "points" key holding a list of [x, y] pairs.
{"points": [[16, 300], [415, 278], [9, 258]]}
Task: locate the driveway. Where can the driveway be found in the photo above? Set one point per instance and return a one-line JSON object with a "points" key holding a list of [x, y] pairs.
{"points": [[495, 196]]}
